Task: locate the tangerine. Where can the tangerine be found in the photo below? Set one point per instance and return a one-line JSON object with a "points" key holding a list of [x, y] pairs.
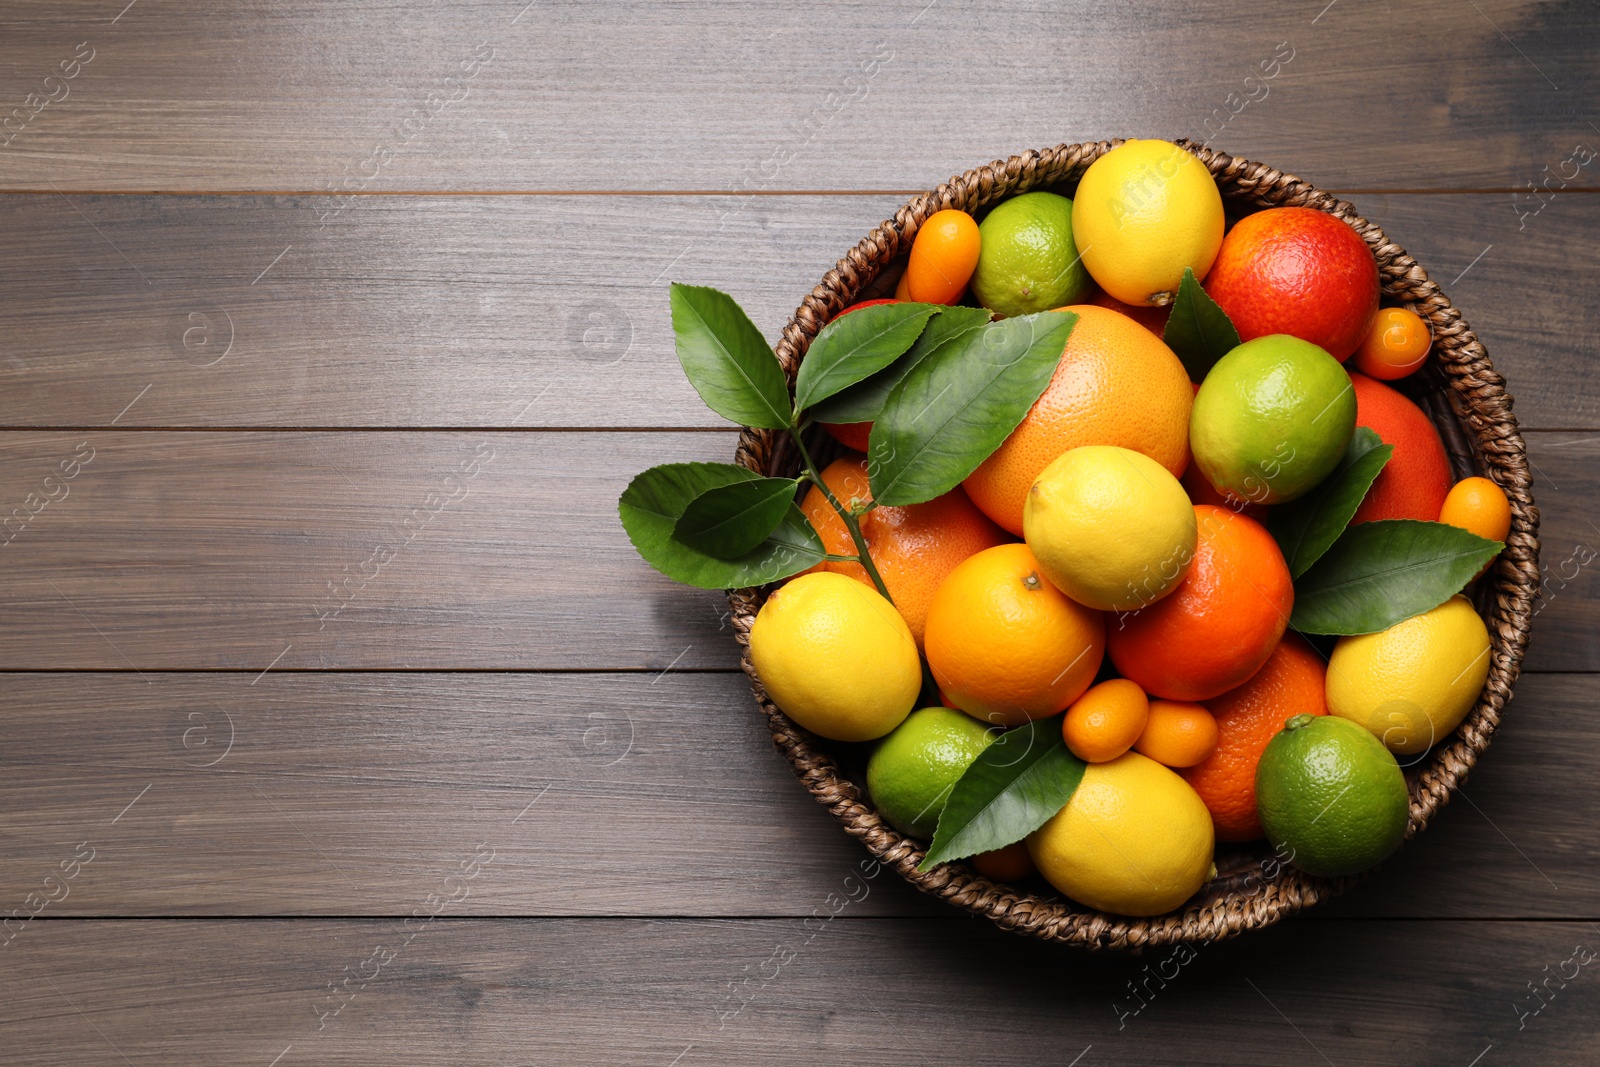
{"points": [[943, 257], [1292, 682], [1415, 481], [1005, 645], [913, 547], [1222, 621], [1115, 385]]}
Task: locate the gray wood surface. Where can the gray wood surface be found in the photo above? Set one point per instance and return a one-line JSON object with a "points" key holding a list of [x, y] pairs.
{"points": [[162, 535], [601, 794], [792, 991], [774, 96], [176, 550], [442, 311], [226, 384]]}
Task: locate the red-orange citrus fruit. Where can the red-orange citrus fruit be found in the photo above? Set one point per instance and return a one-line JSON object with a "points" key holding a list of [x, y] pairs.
{"points": [[1220, 624], [1292, 682], [1413, 484], [1297, 271]]}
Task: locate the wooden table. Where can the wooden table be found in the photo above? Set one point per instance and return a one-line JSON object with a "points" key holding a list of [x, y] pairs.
{"points": [[331, 332]]}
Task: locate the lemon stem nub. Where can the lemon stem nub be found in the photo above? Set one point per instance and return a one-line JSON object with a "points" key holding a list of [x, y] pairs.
{"points": [[1297, 722]]}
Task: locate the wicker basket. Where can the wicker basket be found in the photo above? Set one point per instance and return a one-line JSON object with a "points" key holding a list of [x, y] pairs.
{"points": [[1459, 389]]}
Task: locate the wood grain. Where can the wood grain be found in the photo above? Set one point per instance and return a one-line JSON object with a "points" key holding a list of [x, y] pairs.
{"points": [[196, 550], [327, 550], [341, 794], [272, 96], [442, 311], [1566, 623], [783, 992]]}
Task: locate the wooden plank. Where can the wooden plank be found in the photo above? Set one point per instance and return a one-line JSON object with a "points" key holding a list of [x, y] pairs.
{"points": [[435, 312], [410, 311], [835, 96], [781, 992], [326, 550], [599, 794], [347, 794], [184, 550], [1566, 627]]}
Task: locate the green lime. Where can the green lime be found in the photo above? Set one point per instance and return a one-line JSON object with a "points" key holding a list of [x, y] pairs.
{"points": [[1272, 419], [911, 773], [1331, 798], [1027, 260]]}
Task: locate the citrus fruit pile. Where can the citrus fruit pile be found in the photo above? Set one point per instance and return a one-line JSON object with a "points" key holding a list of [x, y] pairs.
{"points": [[1129, 550]]}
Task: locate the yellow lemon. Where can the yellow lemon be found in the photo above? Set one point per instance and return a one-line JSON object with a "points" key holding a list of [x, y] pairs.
{"points": [[1111, 527], [1135, 839], [1143, 212], [1414, 682], [836, 657]]}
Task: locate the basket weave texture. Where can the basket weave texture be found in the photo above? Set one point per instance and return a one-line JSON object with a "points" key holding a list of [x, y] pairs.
{"points": [[1463, 395]]}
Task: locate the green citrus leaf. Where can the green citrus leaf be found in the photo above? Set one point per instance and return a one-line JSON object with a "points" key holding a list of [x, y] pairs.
{"points": [[862, 402], [654, 502], [733, 519], [1380, 573], [727, 360], [1198, 330], [1305, 528], [1012, 788], [856, 345], [956, 406]]}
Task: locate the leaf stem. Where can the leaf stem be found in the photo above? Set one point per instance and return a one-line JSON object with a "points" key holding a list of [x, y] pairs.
{"points": [[851, 522]]}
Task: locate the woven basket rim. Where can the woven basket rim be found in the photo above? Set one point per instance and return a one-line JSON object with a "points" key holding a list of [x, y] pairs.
{"points": [[1469, 405]]}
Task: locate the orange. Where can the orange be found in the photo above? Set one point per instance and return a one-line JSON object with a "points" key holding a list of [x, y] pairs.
{"points": [[1153, 319], [1105, 722], [1115, 385], [1292, 682], [943, 257], [1413, 484], [1222, 621], [913, 547], [1297, 271], [854, 434], [1177, 734], [1009, 864], [1479, 506], [1396, 345], [902, 288], [1004, 644]]}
